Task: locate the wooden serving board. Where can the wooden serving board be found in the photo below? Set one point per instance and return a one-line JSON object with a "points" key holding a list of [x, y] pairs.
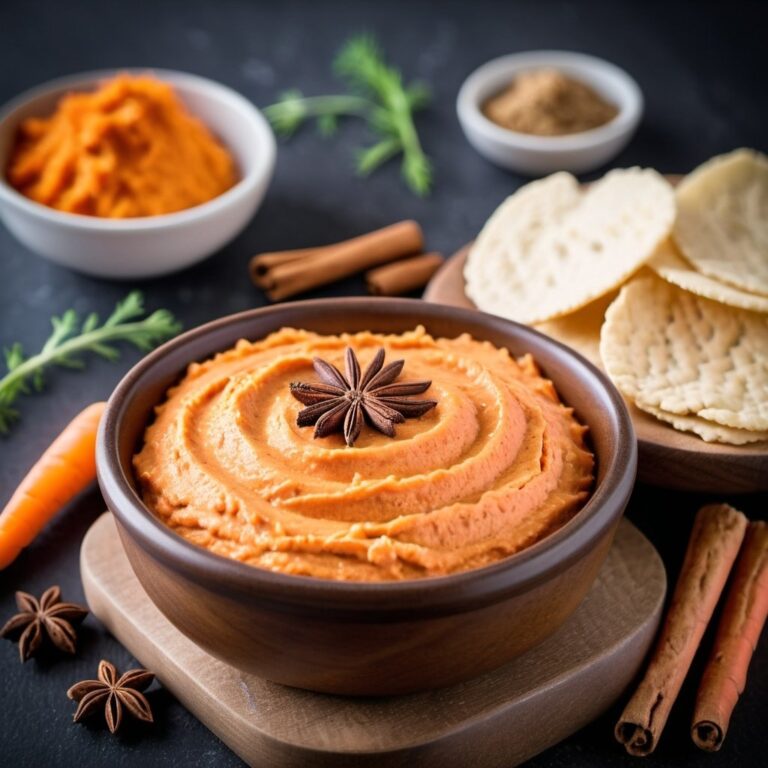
{"points": [[499, 719], [668, 458]]}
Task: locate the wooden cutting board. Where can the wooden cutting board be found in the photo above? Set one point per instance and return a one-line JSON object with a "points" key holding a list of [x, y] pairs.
{"points": [[499, 719], [667, 457]]}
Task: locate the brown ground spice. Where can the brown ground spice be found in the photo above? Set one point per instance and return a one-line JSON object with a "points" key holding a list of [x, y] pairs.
{"points": [[546, 102]]}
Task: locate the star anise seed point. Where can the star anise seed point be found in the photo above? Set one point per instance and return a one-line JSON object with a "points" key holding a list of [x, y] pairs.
{"points": [[344, 403], [47, 618], [112, 693]]}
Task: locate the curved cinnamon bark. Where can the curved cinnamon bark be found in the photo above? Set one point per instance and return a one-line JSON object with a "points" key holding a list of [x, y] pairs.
{"points": [[718, 531], [403, 276], [738, 632], [285, 273]]}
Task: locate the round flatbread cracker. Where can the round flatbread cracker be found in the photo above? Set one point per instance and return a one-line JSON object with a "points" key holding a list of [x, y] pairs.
{"points": [[722, 219], [519, 219], [552, 248], [672, 350], [708, 430], [669, 264], [580, 330]]}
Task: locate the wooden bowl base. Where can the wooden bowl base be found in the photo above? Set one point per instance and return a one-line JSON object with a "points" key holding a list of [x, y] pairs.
{"points": [[499, 719]]}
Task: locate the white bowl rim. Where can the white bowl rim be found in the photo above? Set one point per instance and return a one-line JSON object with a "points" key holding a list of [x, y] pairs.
{"points": [[627, 118], [262, 168]]}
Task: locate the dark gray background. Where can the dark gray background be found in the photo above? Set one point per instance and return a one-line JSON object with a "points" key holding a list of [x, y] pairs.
{"points": [[702, 69]]}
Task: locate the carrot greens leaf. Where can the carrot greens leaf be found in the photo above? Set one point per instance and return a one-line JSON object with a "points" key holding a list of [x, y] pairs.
{"points": [[70, 338], [378, 95]]}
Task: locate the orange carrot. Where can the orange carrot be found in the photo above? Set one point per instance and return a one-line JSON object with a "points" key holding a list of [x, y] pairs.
{"points": [[64, 470]]}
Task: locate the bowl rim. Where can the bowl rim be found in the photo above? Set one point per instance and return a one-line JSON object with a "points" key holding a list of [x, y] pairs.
{"points": [[593, 69], [246, 184], [451, 593]]}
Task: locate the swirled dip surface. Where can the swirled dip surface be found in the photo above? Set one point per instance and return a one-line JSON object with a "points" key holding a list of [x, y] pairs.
{"points": [[496, 466]]}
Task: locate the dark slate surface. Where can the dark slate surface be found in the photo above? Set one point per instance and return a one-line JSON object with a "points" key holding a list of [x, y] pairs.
{"points": [[702, 69]]}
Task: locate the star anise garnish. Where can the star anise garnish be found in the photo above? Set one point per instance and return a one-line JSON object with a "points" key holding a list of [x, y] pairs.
{"points": [[47, 618], [111, 693], [345, 403]]}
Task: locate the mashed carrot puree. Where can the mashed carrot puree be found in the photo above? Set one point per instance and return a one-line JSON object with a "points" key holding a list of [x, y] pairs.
{"points": [[499, 464], [128, 149]]}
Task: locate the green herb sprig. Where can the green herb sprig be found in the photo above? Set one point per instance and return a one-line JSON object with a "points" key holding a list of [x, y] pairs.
{"points": [[70, 338], [378, 96]]}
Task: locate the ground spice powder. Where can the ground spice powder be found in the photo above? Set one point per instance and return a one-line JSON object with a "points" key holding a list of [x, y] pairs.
{"points": [[546, 102]]}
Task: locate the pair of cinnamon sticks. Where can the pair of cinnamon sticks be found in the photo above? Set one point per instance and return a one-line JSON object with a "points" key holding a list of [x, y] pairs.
{"points": [[282, 274], [720, 535]]}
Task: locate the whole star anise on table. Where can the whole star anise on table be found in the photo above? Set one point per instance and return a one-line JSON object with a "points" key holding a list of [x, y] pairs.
{"points": [[345, 403], [111, 694], [45, 618]]}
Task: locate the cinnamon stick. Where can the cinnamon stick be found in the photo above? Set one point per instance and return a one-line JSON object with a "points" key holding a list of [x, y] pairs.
{"points": [[403, 276], [289, 276], [263, 262], [718, 531], [743, 618]]}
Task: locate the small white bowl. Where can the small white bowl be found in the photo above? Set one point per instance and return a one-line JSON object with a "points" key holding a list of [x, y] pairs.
{"points": [[149, 245], [539, 155]]}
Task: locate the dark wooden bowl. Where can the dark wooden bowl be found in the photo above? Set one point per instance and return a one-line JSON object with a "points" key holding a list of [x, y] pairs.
{"points": [[354, 637]]}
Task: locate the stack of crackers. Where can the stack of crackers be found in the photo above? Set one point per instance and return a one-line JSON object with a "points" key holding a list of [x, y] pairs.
{"points": [[665, 288]]}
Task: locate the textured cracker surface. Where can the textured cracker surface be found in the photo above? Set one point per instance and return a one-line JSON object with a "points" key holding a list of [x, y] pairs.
{"points": [[551, 248], [671, 350], [708, 431], [722, 219], [669, 264]]}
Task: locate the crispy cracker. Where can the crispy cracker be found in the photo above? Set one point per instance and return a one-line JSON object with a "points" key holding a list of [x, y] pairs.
{"points": [[669, 264], [722, 219], [552, 248], [580, 330], [670, 349], [708, 431]]}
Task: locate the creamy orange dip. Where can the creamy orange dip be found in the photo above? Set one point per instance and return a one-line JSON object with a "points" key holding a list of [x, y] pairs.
{"points": [[128, 149], [496, 466]]}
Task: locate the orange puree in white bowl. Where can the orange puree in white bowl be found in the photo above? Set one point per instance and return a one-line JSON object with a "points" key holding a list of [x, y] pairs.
{"points": [[128, 149]]}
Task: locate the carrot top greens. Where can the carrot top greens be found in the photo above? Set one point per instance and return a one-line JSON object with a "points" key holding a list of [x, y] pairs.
{"points": [[376, 94], [70, 339]]}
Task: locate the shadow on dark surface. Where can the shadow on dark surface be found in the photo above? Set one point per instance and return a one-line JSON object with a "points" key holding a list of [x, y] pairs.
{"points": [[283, 223]]}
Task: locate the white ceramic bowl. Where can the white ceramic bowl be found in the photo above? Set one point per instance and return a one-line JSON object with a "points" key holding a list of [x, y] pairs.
{"points": [[539, 155], [149, 245]]}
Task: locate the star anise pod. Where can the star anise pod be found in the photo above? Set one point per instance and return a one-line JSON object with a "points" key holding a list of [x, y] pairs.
{"points": [[47, 618], [345, 403], [111, 693]]}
